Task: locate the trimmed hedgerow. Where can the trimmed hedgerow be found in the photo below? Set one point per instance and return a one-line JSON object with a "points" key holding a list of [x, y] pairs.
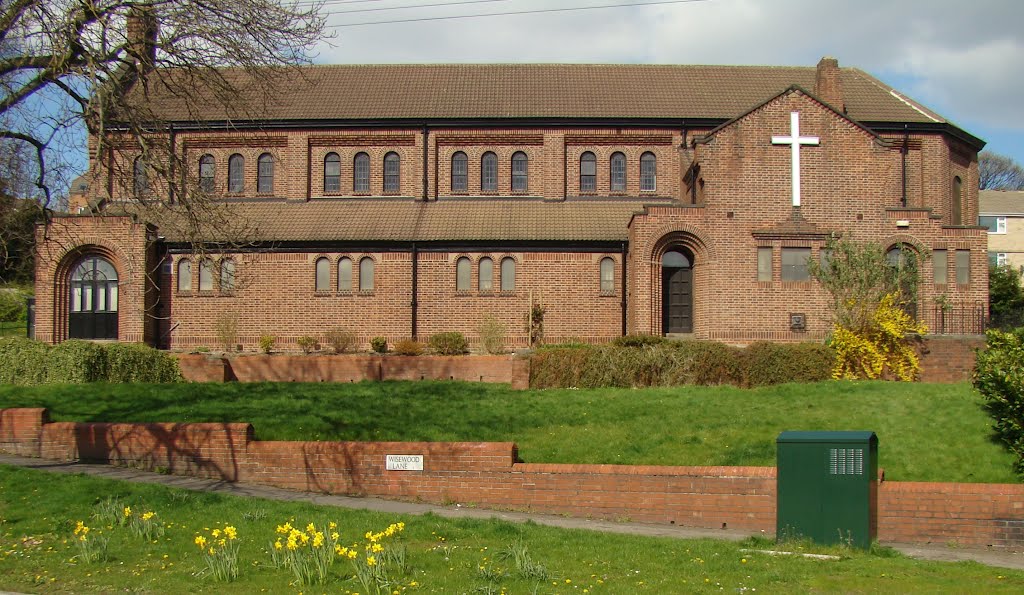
{"points": [[75, 362], [133, 362], [22, 361], [768, 363], [25, 361]]}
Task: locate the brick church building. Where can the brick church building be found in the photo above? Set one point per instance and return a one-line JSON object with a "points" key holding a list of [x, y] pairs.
{"points": [[407, 200]]}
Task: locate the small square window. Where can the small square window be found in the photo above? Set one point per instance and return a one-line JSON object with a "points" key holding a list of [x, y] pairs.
{"points": [[995, 225], [794, 264]]}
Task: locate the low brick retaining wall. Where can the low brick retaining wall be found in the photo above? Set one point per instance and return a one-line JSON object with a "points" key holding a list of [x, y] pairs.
{"points": [[488, 474]]}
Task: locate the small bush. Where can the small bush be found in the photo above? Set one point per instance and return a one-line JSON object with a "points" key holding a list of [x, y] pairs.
{"points": [[408, 347], [638, 340], [492, 335], [13, 307], [340, 340], [75, 362], [307, 344], [767, 363], [267, 342], [999, 377], [448, 344], [227, 331], [379, 344], [134, 362], [23, 361]]}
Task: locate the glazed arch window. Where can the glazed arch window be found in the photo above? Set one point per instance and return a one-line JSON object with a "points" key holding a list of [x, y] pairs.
{"points": [[227, 275], [140, 177], [332, 173], [460, 172], [207, 173], [236, 173], [392, 172], [956, 203], [520, 172], [206, 275], [617, 172], [508, 274], [323, 275], [607, 275], [463, 273], [489, 172], [648, 172], [93, 300], [345, 274], [366, 274], [588, 172], [265, 173], [361, 173], [485, 281], [184, 275]]}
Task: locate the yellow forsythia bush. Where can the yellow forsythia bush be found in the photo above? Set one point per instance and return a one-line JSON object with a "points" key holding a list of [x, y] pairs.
{"points": [[879, 348]]}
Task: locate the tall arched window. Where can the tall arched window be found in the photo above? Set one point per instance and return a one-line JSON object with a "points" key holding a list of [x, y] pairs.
{"points": [[236, 173], [322, 281], [648, 172], [207, 173], [508, 274], [588, 172], [463, 274], [956, 205], [332, 173], [460, 172], [227, 275], [345, 274], [265, 173], [206, 275], [140, 177], [184, 275], [617, 172], [607, 275], [366, 274], [520, 174], [392, 172], [485, 281], [361, 173], [93, 300], [489, 172]]}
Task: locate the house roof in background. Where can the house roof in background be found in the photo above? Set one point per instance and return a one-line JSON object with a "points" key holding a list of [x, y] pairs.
{"points": [[1001, 202]]}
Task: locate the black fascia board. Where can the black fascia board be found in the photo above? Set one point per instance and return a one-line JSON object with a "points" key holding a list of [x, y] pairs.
{"points": [[406, 246], [929, 127], [191, 125]]}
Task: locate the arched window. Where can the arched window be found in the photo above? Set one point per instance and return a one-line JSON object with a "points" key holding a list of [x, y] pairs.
{"points": [[206, 275], [489, 172], [648, 172], [508, 274], [323, 275], [617, 172], [345, 274], [361, 173], [265, 173], [463, 271], [460, 172], [392, 172], [207, 173], [140, 178], [236, 173], [956, 205], [227, 275], [366, 274], [332, 173], [520, 175], [588, 172], [607, 275], [485, 281], [93, 300], [184, 275]]}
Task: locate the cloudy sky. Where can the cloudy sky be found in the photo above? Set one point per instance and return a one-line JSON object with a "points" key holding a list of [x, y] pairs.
{"points": [[963, 59]]}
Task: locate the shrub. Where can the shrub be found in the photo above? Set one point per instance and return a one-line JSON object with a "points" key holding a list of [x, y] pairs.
{"points": [[12, 305], [999, 377], [492, 335], [448, 343], [227, 331], [23, 361], [134, 362], [75, 362], [408, 347], [267, 342], [881, 349], [379, 344], [638, 340], [767, 363], [307, 344], [340, 340]]}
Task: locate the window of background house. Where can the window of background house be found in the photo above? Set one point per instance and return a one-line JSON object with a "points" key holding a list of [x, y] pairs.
{"points": [[206, 275], [366, 274], [489, 172], [332, 173], [940, 266], [764, 263], [323, 275], [392, 172], [648, 172], [607, 275], [486, 275], [236, 173], [617, 172], [508, 274], [184, 275], [207, 173], [463, 273], [265, 173], [963, 267], [460, 172], [794, 264], [361, 173], [588, 172], [520, 175], [345, 274], [994, 224], [227, 275]]}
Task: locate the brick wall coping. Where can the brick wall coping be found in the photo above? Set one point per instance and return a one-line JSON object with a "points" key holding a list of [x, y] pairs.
{"points": [[647, 470]]}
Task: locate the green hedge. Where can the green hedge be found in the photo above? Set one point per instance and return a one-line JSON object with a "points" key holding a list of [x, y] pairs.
{"points": [[999, 377], [644, 362], [24, 361]]}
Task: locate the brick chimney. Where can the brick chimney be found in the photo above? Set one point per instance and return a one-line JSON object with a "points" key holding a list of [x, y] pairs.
{"points": [[141, 36], [828, 85]]}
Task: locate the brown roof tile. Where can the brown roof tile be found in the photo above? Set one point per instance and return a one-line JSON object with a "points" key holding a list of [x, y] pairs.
{"points": [[1001, 202]]}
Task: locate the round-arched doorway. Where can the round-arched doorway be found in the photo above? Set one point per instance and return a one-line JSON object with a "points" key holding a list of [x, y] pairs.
{"points": [[92, 313], [677, 291]]}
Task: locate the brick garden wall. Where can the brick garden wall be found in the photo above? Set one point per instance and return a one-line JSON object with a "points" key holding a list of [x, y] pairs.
{"points": [[488, 475]]}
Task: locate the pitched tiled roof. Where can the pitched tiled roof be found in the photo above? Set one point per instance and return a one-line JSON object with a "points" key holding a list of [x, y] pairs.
{"points": [[571, 91], [1001, 202]]}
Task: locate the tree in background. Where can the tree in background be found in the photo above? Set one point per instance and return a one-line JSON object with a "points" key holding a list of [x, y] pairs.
{"points": [[1005, 297], [999, 172], [18, 216]]}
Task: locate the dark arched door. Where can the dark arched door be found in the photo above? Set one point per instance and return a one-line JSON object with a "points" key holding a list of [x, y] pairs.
{"points": [[93, 311], [677, 292]]}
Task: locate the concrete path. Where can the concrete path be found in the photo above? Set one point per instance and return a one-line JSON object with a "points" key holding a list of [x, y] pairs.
{"points": [[990, 556]]}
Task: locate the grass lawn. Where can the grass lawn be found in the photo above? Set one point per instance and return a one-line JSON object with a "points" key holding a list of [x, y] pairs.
{"points": [[38, 552], [927, 432]]}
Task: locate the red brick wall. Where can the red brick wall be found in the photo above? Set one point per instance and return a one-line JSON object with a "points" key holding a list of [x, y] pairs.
{"points": [[949, 358], [488, 474]]}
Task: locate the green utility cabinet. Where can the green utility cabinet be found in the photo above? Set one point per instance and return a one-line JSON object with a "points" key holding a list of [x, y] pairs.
{"points": [[827, 487]]}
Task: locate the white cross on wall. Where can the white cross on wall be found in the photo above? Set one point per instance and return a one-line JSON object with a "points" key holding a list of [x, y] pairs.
{"points": [[794, 140]]}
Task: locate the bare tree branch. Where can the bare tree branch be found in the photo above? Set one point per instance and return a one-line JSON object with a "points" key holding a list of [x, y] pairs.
{"points": [[999, 172]]}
